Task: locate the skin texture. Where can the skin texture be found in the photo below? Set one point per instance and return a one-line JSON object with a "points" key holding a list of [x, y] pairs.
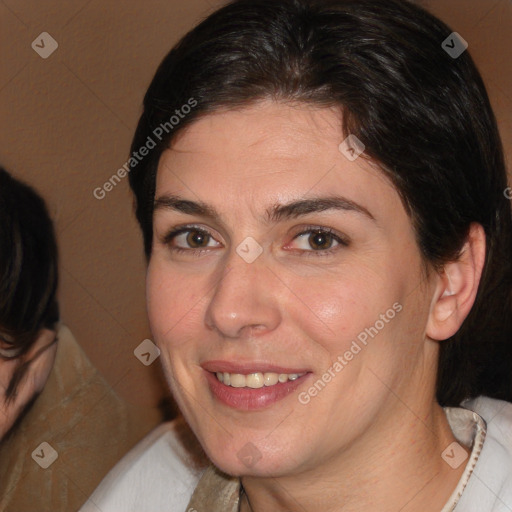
{"points": [[373, 437], [32, 383]]}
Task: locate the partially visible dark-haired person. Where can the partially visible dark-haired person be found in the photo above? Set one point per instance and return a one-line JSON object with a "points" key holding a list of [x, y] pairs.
{"points": [[329, 277], [49, 391], [28, 305]]}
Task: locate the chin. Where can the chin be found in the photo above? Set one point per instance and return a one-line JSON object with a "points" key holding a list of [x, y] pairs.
{"points": [[250, 460]]}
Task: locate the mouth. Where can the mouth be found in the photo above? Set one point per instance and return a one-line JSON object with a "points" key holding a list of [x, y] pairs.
{"points": [[251, 387], [256, 380]]}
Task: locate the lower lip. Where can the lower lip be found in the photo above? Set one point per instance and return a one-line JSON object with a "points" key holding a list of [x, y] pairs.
{"points": [[248, 399]]}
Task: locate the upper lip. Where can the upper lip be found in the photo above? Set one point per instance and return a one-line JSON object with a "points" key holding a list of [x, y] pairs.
{"points": [[246, 368]]}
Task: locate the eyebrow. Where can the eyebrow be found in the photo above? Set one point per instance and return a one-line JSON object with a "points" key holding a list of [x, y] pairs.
{"points": [[274, 213]]}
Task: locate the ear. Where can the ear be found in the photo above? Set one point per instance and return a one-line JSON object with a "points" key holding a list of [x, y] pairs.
{"points": [[456, 287]]}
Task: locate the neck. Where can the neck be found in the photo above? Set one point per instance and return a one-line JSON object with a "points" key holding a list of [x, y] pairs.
{"points": [[398, 467]]}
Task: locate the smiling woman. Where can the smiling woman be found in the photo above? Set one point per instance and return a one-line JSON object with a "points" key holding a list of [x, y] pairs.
{"points": [[275, 256]]}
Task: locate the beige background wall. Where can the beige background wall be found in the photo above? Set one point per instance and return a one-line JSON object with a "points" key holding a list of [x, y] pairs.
{"points": [[67, 122]]}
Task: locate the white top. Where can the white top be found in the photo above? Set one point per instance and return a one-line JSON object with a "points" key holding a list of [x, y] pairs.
{"points": [[156, 476]]}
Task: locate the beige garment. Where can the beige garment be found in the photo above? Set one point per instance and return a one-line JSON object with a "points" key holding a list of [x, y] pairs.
{"points": [[81, 417], [217, 492]]}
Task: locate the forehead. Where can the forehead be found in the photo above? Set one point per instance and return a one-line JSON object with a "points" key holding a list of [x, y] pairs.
{"points": [[266, 153]]}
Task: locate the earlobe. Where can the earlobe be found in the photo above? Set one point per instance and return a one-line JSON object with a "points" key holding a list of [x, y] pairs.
{"points": [[457, 287]]}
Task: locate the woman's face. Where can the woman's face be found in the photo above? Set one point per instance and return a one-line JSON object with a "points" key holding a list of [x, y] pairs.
{"points": [[292, 260]]}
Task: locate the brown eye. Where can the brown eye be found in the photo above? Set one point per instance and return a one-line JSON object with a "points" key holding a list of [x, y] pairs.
{"points": [[196, 239], [190, 239], [320, 240]]}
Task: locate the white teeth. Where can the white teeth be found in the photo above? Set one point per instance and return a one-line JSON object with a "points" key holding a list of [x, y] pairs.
{"points": [[255, 380], [237, 380], [270, 379]]}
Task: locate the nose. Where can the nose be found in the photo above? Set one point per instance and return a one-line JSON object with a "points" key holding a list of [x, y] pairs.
{"points": [[244, 301]]}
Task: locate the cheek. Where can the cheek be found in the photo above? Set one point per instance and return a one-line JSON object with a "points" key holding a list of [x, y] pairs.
{"points": [[337, 307], [173, 304]]}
